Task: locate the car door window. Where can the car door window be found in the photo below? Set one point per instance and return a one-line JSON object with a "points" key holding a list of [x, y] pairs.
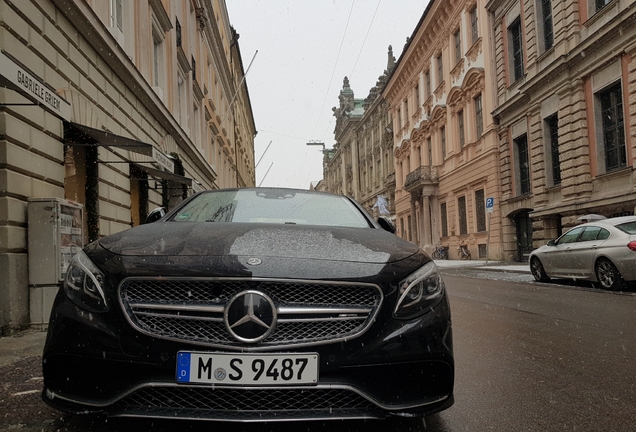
{"points": [[603, 234], [590, 233], [570, 236]]}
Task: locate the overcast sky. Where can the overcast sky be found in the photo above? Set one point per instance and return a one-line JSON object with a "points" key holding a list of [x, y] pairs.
{"points": [[305, 49]]}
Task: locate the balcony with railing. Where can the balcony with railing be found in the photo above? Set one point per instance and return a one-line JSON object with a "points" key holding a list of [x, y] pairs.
{"points": [[421, 177]]}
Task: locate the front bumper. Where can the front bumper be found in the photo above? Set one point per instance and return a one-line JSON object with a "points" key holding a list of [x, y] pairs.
{"points": [[97, 363]]}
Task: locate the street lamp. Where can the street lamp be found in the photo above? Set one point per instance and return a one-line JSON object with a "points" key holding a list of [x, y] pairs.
{"points": [[317, 143]]}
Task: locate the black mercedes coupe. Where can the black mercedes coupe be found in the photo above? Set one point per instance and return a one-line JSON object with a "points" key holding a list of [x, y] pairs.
{"points": [[257, 304]]}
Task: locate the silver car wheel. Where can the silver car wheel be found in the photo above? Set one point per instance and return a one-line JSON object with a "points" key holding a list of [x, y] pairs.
{"points": [[537, 270], [607, 274]]}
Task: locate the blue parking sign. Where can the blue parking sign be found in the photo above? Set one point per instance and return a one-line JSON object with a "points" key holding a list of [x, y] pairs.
{"points": [[490, 204]]}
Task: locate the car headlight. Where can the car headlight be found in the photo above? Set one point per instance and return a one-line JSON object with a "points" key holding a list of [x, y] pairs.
{"points": [[84, 284], [419, 292]]}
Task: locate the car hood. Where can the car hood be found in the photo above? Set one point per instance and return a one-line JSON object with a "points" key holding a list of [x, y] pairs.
{"points": [[363, 245]]}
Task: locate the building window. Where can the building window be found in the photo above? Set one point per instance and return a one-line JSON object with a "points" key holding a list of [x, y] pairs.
{"points": [[479, 117], [402, 231], [212, 149], [399, 119], [155, 62], [474, 30], [417, 97], [516, 49], [552, 135], [480, 210], [613, 127], [158, 59], [442, 132], [406, 111], [522, 177], [458, 46], [116, 14], [460, 125], [548, 35], [182, 99], [427, 78], [444, 220], [600, 4], [177, 29], [430, 151], [440, 70], [461, 211], [196, 133], [409, 228]]}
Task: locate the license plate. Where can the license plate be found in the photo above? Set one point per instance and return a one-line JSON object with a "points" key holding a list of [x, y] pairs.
{"points": [[245, 369]]}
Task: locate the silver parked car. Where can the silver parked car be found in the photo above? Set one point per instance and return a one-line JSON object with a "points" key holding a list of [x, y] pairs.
{"points": [[602, 251]]}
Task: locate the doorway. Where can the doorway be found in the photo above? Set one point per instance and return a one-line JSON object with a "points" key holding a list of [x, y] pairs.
{"points": [[523, 224]]}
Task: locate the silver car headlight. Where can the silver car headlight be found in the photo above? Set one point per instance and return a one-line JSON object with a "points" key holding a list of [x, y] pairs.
{"points": [[84, 284], [418, 293]]}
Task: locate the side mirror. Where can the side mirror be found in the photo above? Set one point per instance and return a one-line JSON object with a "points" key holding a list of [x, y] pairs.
{"points": [[551, 242], [386, 224], [156, 214]]}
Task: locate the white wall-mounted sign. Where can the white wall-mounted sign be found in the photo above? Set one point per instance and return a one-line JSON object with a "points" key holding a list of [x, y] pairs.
{"points": [[163, 160], [33, 87], [197, 187]]}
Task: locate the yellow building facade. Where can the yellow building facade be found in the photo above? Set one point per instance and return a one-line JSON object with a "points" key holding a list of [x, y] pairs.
{"points": [[445, 141]]}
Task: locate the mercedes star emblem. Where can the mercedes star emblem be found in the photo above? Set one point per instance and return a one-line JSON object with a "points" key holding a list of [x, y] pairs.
{"points": [[250, 316]]}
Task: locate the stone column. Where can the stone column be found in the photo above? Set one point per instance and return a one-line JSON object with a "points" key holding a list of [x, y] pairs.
{"points": [[426, 220], [434, 211], [413, 226]]}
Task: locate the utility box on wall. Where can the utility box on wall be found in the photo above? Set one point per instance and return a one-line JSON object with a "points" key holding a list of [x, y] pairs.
{"points": [[56, 234]]}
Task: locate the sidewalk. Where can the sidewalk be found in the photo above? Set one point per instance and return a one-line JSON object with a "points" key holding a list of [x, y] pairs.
{"points": [[21, 345], [501, 266]]}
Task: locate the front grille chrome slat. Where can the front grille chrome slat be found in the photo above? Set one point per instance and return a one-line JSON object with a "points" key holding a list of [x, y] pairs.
{"points": [[191, 309]]}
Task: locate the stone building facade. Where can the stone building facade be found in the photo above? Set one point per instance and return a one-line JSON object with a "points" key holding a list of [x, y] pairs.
{"points": [[361, 163], [566, 107], [445, 140], [119, 105]]}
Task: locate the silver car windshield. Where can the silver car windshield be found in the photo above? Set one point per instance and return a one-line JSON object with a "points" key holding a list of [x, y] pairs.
{"points": [[272, 206]]}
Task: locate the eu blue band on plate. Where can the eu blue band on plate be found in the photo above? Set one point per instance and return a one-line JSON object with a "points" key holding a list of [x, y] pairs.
{"points": [[183, 367]]}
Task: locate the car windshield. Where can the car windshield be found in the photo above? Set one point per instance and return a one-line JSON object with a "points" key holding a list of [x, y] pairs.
{"points": [[629, 227], [277, 206]]}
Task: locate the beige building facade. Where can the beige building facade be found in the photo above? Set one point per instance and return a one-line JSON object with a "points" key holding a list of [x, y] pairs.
{"points": [[445, 141], [566, 108], [118, 105], [361, 163]]}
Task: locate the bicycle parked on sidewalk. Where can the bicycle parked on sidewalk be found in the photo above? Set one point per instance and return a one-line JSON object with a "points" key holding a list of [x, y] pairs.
{"points": [[440, 252], [463, 251]]}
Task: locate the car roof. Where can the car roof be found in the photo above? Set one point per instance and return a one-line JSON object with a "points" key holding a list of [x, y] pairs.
{"points": [[613, 221]]}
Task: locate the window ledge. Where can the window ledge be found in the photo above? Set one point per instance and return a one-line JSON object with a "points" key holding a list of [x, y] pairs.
{"points": [[599, 15], [616, 172], [517, 83]]}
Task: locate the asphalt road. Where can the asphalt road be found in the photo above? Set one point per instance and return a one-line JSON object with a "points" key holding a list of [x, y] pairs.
{"points": [[529, 357]]}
